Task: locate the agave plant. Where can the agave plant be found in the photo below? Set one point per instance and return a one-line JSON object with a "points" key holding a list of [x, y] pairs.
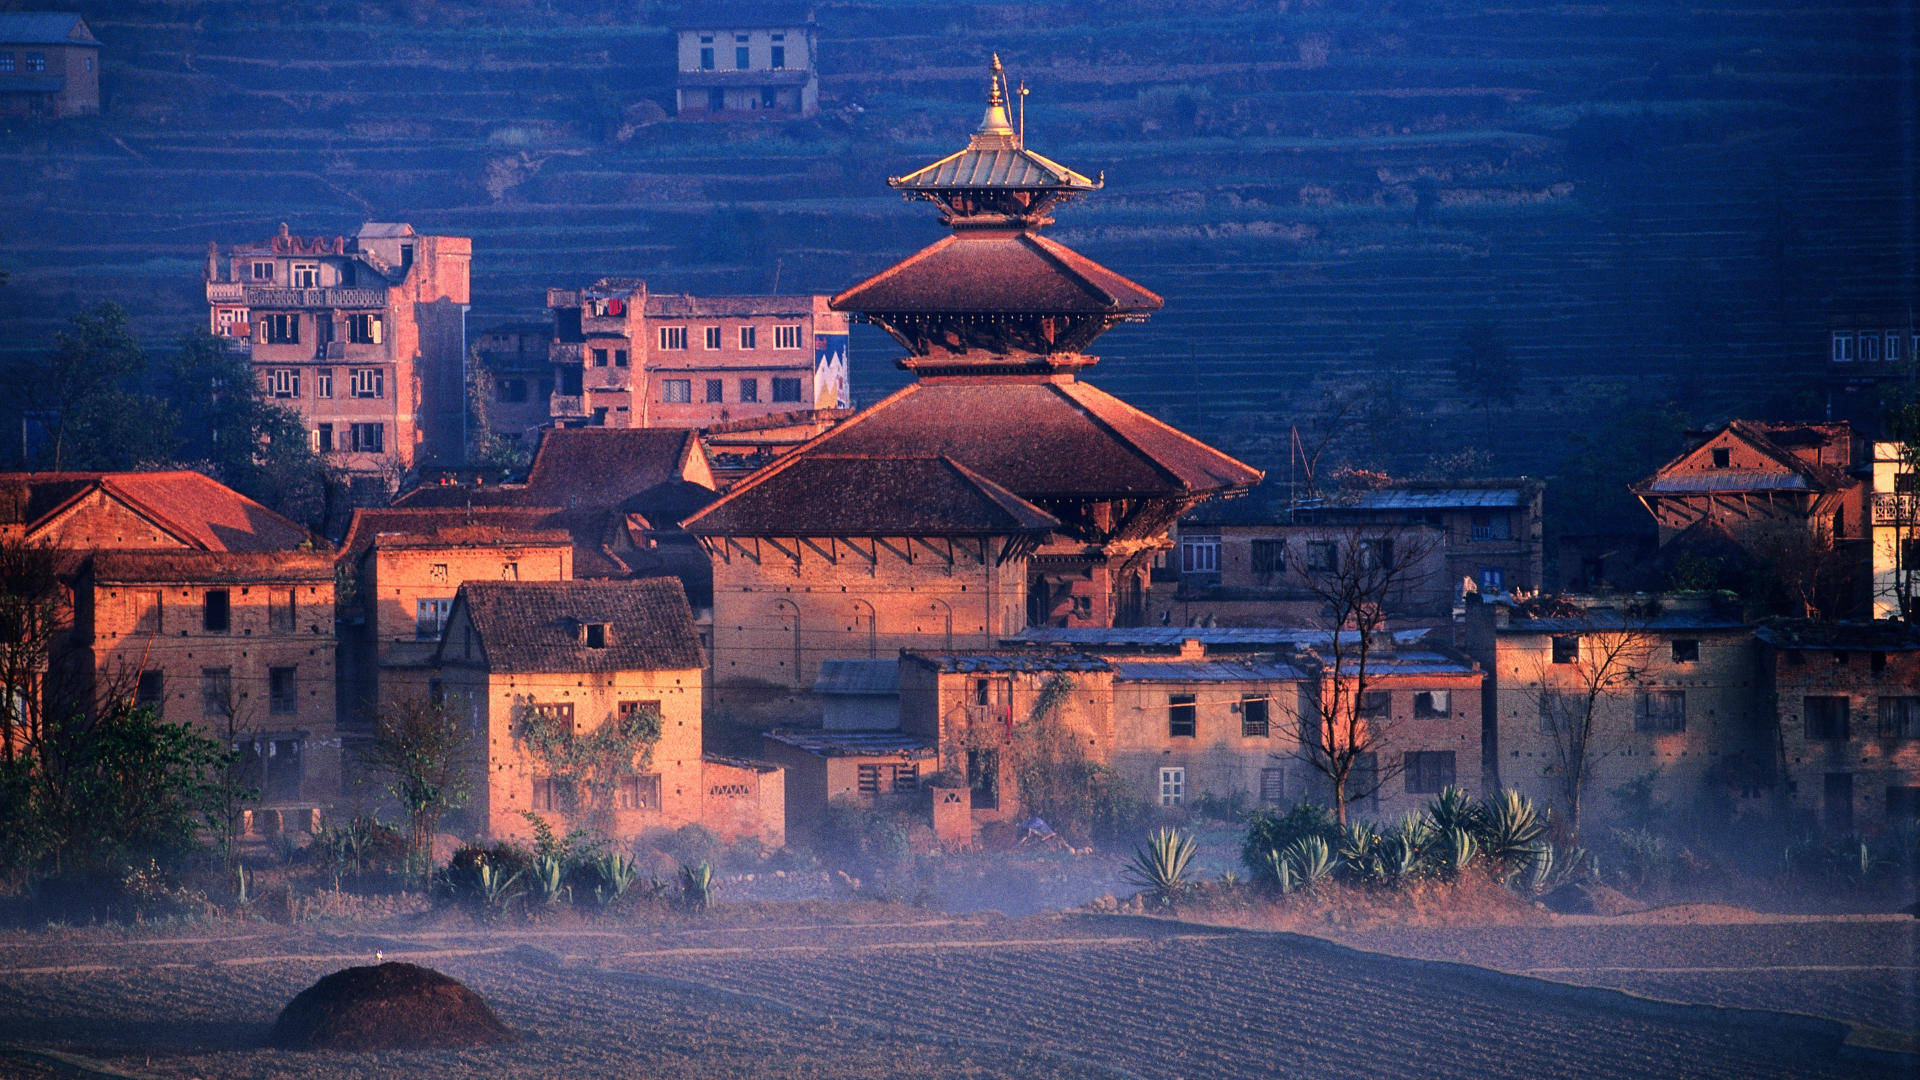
{"points": [[1454, 808], [617, 874], [1511, 831], [1312, 861], [495, 887], [696, 886], [1159, 866], [1357, 843], [550, 879], [1454, 851], [1553, 867], [1280, 872]]}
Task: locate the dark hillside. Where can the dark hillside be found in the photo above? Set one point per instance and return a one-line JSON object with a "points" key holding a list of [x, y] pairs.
{"points": [[1627, 202]]}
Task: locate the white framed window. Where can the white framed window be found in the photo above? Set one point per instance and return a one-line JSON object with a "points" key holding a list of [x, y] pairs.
{"points": [[323, 383], [6, 63], [284, 382], [365, 328], [1492, 578], [430, 616], [283, 329], [1869, 348], [749, 338], [673, 337], [676, 391], [1842, 348], [306, 275], [1893, 345], [368, 438], [1173, 786], [1200, 554], [786, 337], [712, 338], [367, 382], [262, 270]]}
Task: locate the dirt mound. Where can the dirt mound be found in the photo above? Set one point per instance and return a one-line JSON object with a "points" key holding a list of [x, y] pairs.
{"points": [[1584, 898], [386, 1007]]}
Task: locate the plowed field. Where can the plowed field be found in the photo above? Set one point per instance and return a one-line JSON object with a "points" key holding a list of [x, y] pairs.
{"points": [[904, 995]]}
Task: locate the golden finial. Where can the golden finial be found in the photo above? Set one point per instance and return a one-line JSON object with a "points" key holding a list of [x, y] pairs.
{"points": [[995, 122]]}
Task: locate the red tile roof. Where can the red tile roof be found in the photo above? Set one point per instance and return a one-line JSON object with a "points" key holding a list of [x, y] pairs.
{"points": [[132, 567], [997, 270], [537, 626], [831, 495], [449, 525], [199, 512]]}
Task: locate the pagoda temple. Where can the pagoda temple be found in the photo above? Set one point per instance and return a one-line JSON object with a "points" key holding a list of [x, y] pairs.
{"points": [[997, 491]]}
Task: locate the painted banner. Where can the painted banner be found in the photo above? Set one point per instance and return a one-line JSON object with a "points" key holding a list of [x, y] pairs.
{"points": [[830, 390]]}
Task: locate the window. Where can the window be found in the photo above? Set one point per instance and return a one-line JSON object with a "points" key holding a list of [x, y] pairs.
{"points": [[367, 382], [716, 390], [261, 271], [1269, 556], [1893, 345], [1493, 578], [594, 635], [305, 275], [786, 337], [1363, 783], [638, 793], [1566, 650], [284, 382], [1487, 525], [1376, 554], [673, 337], [1686, 651], [629, 713], [216, 691], [283, 694], [1842, 348], [706, 58], [712, 337], [1722, 457], [599, 358], [36, 61], [1428, 771], [1900, 717], [558, 713], [786, 390], [676, 391], [1375, 705], [323, 438], [1826, 718], [716, 100], [1322, 556], [216, 615], [749, 389], [552, 794], [1180, 716], [1173, 786], [1869, 348], [740, 57], [1660, 710], [323, 383], [779, 59], [151, 690], [878, 779], [1200, 554], [1433, 703], [430, 617], [280, 329], [148, 607], [1273, 787], [1558, 711], [769, 97], [281, 610], [748, 338], [511, 391], [368, 438], [510, 571], [6, 63], [1253, 716]]}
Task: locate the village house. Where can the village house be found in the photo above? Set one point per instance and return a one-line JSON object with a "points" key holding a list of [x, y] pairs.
{"points": [[1491, 530], [625, 357], [1677, 708], [520, 371], [207, 606], [1747, 477], [363, 336], [1895, 519], [49, 65], [1846, 711], [746, 61], [577, 656], [996, 490]]}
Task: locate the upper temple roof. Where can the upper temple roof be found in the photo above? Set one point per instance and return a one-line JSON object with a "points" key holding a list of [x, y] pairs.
{"points": [[993, 162], [997, 271]]}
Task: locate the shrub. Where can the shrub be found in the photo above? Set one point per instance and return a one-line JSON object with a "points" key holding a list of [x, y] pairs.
{"points": [[1160, 864], [1311, 861], [696, 886], [860, 831], [1268, 831], [485, 877]]}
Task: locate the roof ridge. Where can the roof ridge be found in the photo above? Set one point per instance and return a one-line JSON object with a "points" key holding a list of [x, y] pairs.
{"points": [[1002, 497], [1072, 391], [923, 254]]}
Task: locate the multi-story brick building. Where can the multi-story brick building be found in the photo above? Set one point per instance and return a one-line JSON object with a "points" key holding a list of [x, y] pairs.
{"points": [[49, 65], [582, 655], [752, 61], [1846, 706], [1490, 530], [1895, 522], [208, 607], [624, 357], [364, 336], [518, 364]]}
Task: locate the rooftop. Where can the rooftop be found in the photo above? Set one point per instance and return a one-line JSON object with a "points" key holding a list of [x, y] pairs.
{"points": [[193, 509], [212, 566], [835, 495], [1218, 670], [537, 626], [855, 743], [1006, 660], [878, 678], [45, 28], [1878, 636], [995, 271], [450, 525]]}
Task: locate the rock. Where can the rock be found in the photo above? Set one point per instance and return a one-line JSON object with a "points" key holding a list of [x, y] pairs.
{"points": [[387, 1007], [1584, 898]]}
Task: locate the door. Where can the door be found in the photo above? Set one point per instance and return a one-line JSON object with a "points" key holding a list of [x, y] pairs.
{"points": [[1838, 804], [983, 776]]}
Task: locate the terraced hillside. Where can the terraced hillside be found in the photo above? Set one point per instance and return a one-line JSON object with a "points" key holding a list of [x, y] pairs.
{"points": [[1635, 201]]}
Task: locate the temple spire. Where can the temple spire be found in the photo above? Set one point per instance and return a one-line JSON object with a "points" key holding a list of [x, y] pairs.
{"points": [[995, 121]]}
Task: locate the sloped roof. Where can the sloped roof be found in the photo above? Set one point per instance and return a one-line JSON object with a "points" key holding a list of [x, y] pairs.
{"points": [[997, 270], [1036, 439], [215, 566], [45, 28], [880, 678], [198, 511], [638, 470], [879, 495], [1771, 441], [682, 306], [536, 626], [451, 525], [1882, 635], [993, 163]]}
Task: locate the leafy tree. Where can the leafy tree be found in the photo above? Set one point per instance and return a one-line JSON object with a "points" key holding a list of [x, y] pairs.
{"points": [[418, 751], [85, 393]]}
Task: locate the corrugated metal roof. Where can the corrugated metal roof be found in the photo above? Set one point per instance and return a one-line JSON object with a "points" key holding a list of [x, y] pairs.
{"points": [[42, 28], [1166, 635], [993, 167], [1438, 500], [1730, 481], [855, 743], [1010, 660], [1601, 620], [1206, 671], [875, 677]]}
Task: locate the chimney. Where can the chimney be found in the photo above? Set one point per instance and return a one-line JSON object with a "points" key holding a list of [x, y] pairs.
{"points": [[1192, 649]]}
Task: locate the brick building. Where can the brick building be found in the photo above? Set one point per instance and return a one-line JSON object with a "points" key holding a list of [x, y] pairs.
{"points": [[624, 357], [1846, 706], [582, 655], [205, 605], [363, 336], [1748, 475], [518, 364], [746, 61], [1491, 530], [1895, 522], [49, 65], [993, 492]]}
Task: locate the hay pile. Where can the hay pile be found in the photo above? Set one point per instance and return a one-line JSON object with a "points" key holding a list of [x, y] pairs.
{"points": [[387, 1007], [1586, 898]]}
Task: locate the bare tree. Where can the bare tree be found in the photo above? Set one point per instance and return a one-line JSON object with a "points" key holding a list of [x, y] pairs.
{"points": [[417, 750], [1602, 656], [1359, 573]]}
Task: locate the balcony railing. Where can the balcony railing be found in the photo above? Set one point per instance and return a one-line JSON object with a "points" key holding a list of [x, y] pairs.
{"points": [[226, 292], [565, 352], [1896, 508], [567, 405], [266, 297]]}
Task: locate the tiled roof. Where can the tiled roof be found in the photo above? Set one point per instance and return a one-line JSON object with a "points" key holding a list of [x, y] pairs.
{"points": [[1038, 440], [1007, 660], [637, 470], [1771, 441], [197, 510], [879, 678], [993, 271], [855, 743], [201, 566], [450, 525], [537, 626], [832, 495], [1878, 636], [44, 28]]}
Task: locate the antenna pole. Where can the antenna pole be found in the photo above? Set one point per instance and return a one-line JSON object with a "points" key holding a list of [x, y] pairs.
{"points": [[1023, 113]]}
